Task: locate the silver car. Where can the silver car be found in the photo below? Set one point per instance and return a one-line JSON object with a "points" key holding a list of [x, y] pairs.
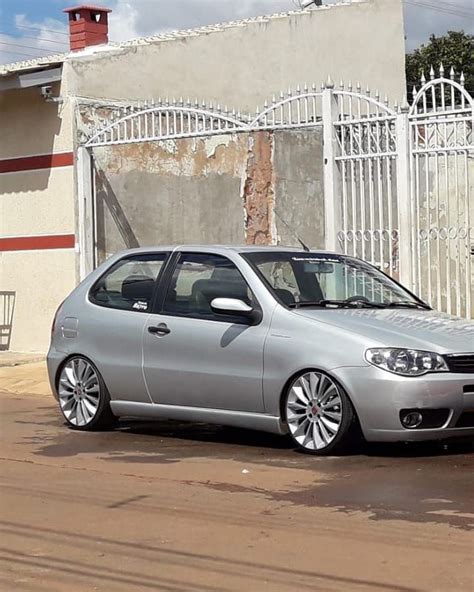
{"points": [[314, 344]]}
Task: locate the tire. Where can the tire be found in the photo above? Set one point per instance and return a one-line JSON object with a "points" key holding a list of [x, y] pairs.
{"points": [[319, 414], [84, 400]]}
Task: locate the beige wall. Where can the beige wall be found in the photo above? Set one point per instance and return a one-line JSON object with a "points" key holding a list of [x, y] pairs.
{"points": [[241, 66], [32, 203], [41, 280], [29, 125]]}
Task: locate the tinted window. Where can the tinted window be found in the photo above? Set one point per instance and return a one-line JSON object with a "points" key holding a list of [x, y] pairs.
{"points": [[129, 284], [198, 279]]}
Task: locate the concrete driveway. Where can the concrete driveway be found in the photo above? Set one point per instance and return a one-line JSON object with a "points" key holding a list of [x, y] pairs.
{"points": [[177, 507]]}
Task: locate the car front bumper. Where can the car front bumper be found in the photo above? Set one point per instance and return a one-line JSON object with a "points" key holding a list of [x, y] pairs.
{"points": [[379, 396]]}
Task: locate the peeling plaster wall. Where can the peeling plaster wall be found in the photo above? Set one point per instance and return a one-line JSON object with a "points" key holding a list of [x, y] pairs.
{"points": [[170, 192], [223, 189], [298, 186]]}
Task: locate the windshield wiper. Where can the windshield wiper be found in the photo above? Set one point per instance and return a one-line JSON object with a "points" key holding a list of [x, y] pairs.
{"points": [[408, 304], [337, 303]]}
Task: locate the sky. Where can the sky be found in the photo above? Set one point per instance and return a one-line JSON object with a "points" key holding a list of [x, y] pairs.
{"points": [[33, 28]]}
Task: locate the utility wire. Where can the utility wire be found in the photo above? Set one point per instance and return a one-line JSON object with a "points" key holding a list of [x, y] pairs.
{"points": [[35, 38], [28, 55], [26, 46], [440, 9], [41, 29]]}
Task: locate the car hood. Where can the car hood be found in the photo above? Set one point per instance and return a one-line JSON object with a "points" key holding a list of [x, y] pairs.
{"points": [[414, 328]]}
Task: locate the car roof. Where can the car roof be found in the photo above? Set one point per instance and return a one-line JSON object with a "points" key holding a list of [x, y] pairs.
{"points": [[220, 249]]}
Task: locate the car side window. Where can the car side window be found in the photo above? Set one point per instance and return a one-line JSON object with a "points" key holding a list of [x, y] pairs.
{"points": [[198, 279], [129, 284]]}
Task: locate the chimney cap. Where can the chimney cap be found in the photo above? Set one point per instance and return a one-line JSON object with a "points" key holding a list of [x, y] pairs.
{"points": [[87, 7]]}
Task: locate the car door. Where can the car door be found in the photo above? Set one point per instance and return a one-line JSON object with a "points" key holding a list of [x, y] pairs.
{"points": [[117, 309], [202, 359]]}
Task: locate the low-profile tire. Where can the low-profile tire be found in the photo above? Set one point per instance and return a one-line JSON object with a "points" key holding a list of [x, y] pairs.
{"points": [[319, 414], [84, 400]]}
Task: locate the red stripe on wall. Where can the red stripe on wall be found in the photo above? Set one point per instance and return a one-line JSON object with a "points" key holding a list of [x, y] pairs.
{"points": [[32, 163], [33, 243]]}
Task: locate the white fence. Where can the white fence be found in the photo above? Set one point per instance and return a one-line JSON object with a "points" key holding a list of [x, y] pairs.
{"points": [[398, 183]]}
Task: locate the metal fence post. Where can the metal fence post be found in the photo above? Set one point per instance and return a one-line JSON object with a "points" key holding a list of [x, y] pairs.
{"points": [[405, 238], [332, 199], [85, 212]]}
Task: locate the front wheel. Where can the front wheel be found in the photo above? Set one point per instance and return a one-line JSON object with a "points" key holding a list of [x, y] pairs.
{"points": [[83, 397], [319, 414]]}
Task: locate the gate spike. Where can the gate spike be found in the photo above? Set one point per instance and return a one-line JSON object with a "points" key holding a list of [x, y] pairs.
{"points": [[305, 88], [432, 73], [349, 86], [233, 113], [210, 106], [423, 79], [274, 99], [329, 82], [188, 102], [218, 108], [462, 80], [386, 100], [196, 103], [451, 73], [289, 92], [204, 104], [341, 85], [441, 70], [282, 96], [226, 111], [377, 94], [174, 102], [239, 115], [152, 103], [367, 92], [313, 87], [414, 92], [322, 86], [181, 102], [358, 87], [298, 89]]}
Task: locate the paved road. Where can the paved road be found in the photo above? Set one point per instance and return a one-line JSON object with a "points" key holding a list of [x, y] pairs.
{"points": [[175, 507]]}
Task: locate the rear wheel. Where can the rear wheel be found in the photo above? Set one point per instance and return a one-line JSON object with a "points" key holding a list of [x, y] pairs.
{"points": [[319, 414], [83, 397]]}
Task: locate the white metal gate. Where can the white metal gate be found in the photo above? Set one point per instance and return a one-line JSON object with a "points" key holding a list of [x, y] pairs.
{"points": [[442, 200], [398, 181]]}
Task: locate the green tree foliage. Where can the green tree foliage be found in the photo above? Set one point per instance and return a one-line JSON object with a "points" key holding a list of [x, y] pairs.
{"points": [[455, 49]]}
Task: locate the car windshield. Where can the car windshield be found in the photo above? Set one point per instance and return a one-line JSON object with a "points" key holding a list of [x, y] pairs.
{"points": [[328, 280]]}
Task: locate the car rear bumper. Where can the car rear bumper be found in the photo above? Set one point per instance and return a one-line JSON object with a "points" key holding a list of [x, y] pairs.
{"points": [[54, 359], [379, 398]]}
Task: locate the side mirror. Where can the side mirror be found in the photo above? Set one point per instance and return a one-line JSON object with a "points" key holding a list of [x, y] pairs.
{"points": [[235, 307]]}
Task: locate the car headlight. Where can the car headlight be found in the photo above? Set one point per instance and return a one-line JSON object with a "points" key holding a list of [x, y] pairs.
{"points": [[407, 362]]}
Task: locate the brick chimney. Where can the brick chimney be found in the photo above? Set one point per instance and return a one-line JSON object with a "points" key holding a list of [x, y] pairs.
{"points": [[88, 25]]}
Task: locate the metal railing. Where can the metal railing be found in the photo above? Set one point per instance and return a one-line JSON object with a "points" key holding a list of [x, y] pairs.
{"points": [[7, 308]]}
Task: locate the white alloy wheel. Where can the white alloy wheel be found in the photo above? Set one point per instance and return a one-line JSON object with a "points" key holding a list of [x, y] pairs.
{"points": [[79, 392], [315, 411]]}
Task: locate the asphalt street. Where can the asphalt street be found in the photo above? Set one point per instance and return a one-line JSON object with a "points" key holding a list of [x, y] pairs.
{"points": [[184, 507]]}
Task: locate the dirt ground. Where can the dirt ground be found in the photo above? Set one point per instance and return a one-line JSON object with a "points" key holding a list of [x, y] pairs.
{"points": [[179, 507]]}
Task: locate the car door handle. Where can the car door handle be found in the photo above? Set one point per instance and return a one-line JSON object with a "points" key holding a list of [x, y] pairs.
{"points": [[161, 329]]}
